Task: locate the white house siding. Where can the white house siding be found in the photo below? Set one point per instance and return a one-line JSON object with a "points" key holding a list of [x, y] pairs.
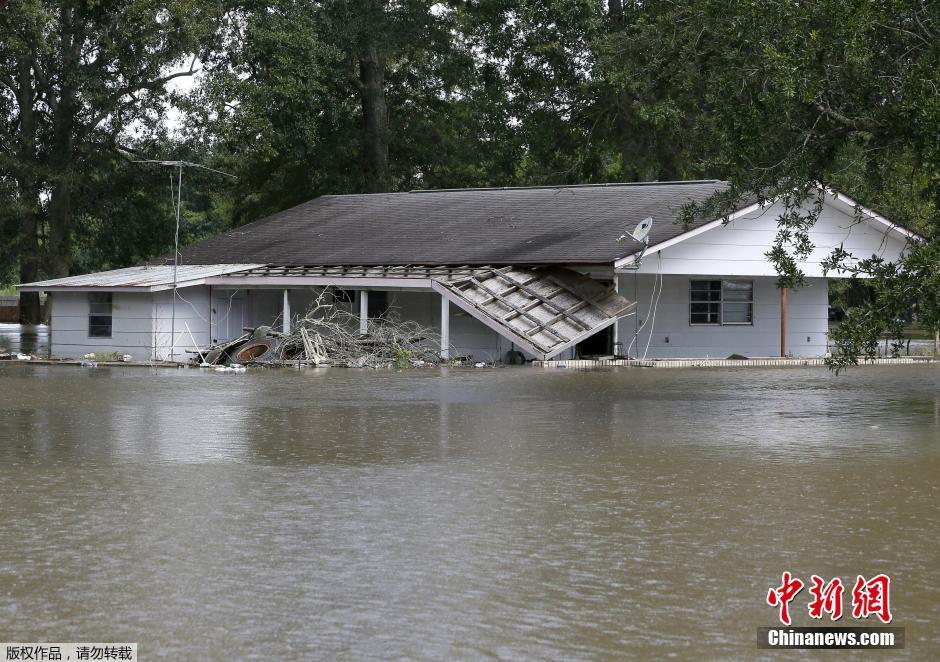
{"points": [[737, 251], [807, 321], [131, 330], [192, 311], [228, 314], [739, 247]]}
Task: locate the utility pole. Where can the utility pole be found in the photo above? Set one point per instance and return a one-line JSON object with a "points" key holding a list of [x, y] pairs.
{"points": [[178, 204], [176, 255]]}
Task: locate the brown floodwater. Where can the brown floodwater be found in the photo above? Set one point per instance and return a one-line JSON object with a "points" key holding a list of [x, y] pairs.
{"points": [[514, 513]]}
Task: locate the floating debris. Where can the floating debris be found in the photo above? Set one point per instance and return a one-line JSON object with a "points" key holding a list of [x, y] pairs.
{"points": [[105, 357]]}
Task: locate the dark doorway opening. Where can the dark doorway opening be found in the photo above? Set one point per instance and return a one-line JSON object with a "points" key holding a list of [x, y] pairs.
{"points": [[600, 344], [378, 304]]}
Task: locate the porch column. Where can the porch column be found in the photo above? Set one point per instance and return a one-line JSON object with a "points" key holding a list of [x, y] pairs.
{"points": [[783, 321], [285, 312], [363, 312], [445, 327], [617, 322]]}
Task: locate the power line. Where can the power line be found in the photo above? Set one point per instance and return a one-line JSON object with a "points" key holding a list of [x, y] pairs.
{"points": [[177, 204]]}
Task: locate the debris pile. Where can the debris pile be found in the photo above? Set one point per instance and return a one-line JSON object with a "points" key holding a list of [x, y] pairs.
{"points": [[16, 356], [328, 335], [117, 357]]}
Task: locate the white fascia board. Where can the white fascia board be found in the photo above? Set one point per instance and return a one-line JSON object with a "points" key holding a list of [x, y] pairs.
{"points": [[850, 206], [318, 281], [239, 282], [718, 222], [143, 289], [839, 200], [84, 288]]}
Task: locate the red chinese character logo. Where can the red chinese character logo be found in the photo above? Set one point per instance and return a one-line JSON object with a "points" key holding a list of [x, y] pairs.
{"points": [[783, 595], [872, 597], [827, 598]]}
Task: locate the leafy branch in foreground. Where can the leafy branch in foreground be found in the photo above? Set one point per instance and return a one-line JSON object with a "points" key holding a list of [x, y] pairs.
{"points": [[911, 284]]}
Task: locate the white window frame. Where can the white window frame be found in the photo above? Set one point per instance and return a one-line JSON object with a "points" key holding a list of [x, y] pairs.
{"points": [[96, 311], [721, 301]]}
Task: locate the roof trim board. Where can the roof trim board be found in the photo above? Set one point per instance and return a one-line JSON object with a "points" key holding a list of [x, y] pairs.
{"points": [[630, 259], [839, 200], [137, 279], [842, 200]]}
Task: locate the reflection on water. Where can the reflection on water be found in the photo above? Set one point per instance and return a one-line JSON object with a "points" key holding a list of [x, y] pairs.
{"points": [[25, 338], [432, 514]]}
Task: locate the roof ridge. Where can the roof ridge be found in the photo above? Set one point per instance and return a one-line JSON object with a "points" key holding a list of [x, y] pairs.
{"points": [[675, 182], [560, 186]]}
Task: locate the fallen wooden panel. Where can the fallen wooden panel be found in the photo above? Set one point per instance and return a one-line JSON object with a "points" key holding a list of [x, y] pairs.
{"points": [[543, 310]]}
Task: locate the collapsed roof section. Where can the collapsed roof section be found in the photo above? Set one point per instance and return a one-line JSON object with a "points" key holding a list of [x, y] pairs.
{"points": [[544, 310]]}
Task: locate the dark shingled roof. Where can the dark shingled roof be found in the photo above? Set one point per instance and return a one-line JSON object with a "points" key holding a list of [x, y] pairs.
{"points": [[538, 225]]}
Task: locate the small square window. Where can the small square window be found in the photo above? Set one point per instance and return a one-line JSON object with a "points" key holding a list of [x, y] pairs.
{"points": [[721, 302], [705, 302]]}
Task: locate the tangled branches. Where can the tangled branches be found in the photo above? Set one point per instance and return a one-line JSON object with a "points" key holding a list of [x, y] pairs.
{"points": [[328, 334]]}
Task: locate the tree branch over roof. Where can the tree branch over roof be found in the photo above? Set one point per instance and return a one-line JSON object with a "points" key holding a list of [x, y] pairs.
{"points": [[856, 124]]}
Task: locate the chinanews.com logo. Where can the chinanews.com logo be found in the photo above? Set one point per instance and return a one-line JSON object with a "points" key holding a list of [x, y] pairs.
{"points": [[871, 599]]}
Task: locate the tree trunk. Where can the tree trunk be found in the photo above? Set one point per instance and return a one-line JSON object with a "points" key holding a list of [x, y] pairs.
{"points": [[374, 119], [632, 148], [615, 10], [59, 259], [59, 256], [27, 195]]}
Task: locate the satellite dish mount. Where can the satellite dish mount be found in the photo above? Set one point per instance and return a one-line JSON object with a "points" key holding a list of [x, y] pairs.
{"points": [[640, 233]]}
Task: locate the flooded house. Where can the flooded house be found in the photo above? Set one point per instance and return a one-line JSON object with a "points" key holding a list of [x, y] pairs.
{"points": [[553, 272]]}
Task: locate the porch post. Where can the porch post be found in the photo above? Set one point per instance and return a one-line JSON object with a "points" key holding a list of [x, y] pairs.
{"points": [[445, 327], [617, 322], [285, 312], [783, 321], [363, 312]]}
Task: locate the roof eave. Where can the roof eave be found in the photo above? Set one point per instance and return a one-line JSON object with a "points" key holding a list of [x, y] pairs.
{"points": [[624, 262]]}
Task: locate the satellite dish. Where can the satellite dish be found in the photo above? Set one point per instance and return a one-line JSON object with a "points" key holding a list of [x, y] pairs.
{"points": [[642, 229]]}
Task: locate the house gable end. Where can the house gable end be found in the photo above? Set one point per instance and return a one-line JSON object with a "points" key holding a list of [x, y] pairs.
{"points": [[738, 247]]}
